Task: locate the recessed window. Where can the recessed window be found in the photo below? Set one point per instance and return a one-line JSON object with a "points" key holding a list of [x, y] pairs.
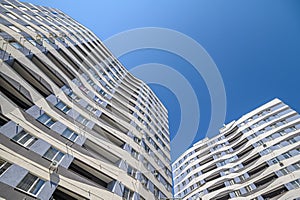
{"points": [[49, 19], [22, 8], [7, 6], [127, 194], [4, 165], [62, 106], [26, 17], [16, 45], [46, 120], [25, 139], [14, 28], [82, 120], [44, 28], [38, 17], [54, 155], [31, 41], [31, 184], [34, 10], [11, 15], [69, 134], [30, 28]]}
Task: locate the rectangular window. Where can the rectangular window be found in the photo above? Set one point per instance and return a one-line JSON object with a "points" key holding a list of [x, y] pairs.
{"points": [[237, 193], [296, 184], [31, 184], [82, 120], [30, 28], [46, 120], [62, 106], [284, 171], [22, 8], [286, 155], [8, 6], [54, 155], [26, 17], [4, 165], [127, 194], [297, 165], [11, 16], [14, 28], [69, 134], [38, 17], [25, 139], [16, 45]]}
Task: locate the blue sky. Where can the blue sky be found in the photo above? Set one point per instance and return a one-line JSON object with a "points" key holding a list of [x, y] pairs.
{"points": [[255, 45]]}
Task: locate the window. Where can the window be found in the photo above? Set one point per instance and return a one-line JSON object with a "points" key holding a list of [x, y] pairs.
{"points": [[26, 17], [237, 193], [31, 184], [38, 17], [82, 120], [46, 120], [4, 165], [295, 184], [135, 154], [34, 10], [131, 171], [22, 8], [30, 28], [16, 45], [31, 41], [8, 6], [284, 171], [286, 155], [71, 135], [54, 155], [249, 188], [11, 15], [127, 194], [44, 28], [25, 139], [62, 106], [14, 28], [297, 165]]}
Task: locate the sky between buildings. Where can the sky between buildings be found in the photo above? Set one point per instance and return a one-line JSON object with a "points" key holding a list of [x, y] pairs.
{"points": [[255, 45]]}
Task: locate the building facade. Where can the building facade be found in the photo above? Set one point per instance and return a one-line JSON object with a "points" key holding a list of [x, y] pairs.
{"points": [[74, 124], [255, 157]]}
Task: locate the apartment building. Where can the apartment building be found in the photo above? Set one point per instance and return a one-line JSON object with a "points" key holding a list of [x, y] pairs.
{"points": [[255, 157], [74, 123]]}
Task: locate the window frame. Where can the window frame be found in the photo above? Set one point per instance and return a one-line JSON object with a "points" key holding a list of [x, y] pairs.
{"points": [[28, 143], [49, 122], [5, 164], [65, 108], [70, 136], [35, 185], [55, 155]]}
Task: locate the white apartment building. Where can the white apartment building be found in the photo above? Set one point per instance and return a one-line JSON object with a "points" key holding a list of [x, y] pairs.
{"points": [[255, 157], [74, 123]]}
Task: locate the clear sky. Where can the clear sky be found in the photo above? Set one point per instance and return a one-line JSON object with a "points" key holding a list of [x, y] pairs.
{"points": [[254, 43]]}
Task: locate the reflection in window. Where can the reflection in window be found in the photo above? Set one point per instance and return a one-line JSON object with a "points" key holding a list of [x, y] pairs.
{"points": [[25, 139], [62, 106], [11, 16], [4, 165], [54, 155], [16, 45], [14, 28], [31, 184], [69, 134], [46, 120]]}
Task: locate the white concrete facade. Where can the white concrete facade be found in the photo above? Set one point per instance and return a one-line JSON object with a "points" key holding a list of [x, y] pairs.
{"points": [[255, 157], [74, 123]]}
